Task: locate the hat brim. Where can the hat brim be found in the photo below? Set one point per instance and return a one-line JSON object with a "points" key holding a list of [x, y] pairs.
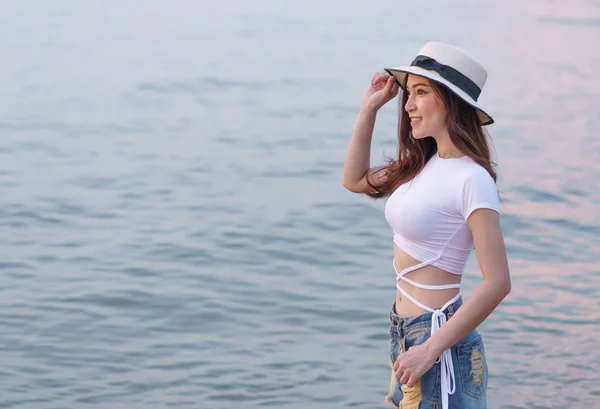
{"points": [[401, 72]]}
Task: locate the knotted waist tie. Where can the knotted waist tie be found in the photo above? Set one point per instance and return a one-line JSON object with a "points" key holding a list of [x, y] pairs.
{"points": [[438, 318]]}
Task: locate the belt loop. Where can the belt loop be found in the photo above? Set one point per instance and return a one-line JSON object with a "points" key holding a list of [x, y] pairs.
{"points": [[451, 310]]}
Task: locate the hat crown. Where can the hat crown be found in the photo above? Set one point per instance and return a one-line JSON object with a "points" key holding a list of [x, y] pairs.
{"points": [[456, 58], [451, 67]]}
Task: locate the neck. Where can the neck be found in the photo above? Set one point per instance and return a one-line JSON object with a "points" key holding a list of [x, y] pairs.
{"points": [[446, 149]]}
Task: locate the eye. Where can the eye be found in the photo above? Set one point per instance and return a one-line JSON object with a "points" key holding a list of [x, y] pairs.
{"points": [[421, 92]]}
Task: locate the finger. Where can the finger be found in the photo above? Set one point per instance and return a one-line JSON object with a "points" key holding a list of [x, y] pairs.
{"points": [[381, 78], [397, 362], [404, 378], [390, 82], [411, 381], [389, 85], [376, 77], [398, 373]]}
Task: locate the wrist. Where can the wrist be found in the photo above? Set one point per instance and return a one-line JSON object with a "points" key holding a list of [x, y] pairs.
{"points": [[433, 348]]}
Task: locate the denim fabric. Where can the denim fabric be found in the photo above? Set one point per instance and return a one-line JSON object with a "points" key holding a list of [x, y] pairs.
{"points": [[468, 358]]}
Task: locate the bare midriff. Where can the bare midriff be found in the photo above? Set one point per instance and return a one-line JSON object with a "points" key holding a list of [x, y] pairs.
{"points": [[428, 275]]}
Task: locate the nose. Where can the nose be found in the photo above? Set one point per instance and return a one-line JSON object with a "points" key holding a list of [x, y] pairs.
{"points": [[410, 104]]}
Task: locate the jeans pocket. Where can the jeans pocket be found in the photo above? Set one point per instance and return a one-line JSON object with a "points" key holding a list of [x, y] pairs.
{"points": [[473, 368], [417, 335]]}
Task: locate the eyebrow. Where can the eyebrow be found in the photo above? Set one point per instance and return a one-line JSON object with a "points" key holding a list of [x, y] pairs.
{"points": [[416, 85]]}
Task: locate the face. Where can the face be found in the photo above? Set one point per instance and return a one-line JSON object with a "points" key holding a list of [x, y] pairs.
{"points": [[425, 108]]}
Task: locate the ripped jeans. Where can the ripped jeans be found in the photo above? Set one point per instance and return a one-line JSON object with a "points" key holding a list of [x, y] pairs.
{"points": [[468, 357]]}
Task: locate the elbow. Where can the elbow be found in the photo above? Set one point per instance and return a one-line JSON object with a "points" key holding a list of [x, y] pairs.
{"points": [[349, 186], [500, 287], [505, 288]]}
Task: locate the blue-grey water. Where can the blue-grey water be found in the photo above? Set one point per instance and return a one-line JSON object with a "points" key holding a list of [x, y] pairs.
{"points": [[173, 229]]}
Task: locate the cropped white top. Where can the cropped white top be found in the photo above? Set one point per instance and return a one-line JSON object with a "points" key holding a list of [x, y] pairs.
{"points": [[428, 214]]}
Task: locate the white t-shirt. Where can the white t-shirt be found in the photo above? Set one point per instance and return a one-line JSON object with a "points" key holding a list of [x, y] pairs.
{"points": [[428, 214]]}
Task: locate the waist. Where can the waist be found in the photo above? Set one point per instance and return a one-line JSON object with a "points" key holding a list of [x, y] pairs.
{"points": [[432, 299], [408, 322]]}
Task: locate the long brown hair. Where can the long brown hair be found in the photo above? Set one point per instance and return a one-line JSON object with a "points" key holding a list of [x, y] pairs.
{"points": [[465, 131]]}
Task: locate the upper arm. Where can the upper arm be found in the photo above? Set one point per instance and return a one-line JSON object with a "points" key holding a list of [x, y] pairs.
{"points": [[376, 175], [490, 249], [480, 207]]}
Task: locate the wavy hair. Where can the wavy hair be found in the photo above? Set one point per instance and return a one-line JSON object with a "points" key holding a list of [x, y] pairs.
{"points": [[465, 131]]}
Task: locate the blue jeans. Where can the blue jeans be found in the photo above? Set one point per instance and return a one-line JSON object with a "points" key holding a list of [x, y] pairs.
{"points": [[468, 358]]}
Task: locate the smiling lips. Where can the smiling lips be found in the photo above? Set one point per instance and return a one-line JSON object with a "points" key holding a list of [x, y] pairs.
{"points": [[415, 120]]}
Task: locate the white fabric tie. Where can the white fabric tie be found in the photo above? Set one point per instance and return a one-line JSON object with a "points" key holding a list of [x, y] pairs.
{"points": [[448, 382], [438, 318]]}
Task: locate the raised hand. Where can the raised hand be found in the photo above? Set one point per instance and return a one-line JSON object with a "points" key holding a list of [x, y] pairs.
{"points": [[383, 89]]}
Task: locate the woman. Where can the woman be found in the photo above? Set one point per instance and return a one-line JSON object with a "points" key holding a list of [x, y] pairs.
{"points": [[442, 202]]}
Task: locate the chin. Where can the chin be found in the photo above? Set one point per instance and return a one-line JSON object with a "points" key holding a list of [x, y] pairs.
{"points": [[418, 135]]}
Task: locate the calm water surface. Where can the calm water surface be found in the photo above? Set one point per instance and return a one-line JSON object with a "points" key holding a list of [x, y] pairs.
{"points": [[173, 229]]}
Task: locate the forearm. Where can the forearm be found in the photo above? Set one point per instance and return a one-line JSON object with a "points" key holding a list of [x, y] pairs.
{"points": [[484, 299], [358, 157]]}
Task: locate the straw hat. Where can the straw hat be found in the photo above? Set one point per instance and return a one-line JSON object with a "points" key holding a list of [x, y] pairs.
{"points": [[452, 67]]}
